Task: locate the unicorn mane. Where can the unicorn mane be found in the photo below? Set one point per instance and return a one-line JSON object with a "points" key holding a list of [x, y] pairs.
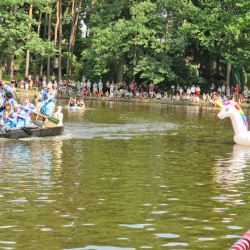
{"points": [[237, 106]]}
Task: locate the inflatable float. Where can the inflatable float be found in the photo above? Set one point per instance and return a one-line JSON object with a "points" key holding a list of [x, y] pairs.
{"points": [[239, 121], [76, 107]]}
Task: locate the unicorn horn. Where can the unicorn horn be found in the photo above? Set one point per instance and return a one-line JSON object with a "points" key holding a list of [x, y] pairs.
{"points": [[219, 104]]}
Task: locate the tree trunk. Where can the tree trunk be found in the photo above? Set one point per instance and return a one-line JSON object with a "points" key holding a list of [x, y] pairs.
{"points": [[49, 37], [44, 35], [228, 74], [28, 52], [38, 32], [60, 42], [1, 63], [71, 34], [74, 38], [121, 68], [10, 62], [56, 31]]}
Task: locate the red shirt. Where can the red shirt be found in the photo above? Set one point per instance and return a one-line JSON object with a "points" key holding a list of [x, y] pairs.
{"points": [[236, 89]]}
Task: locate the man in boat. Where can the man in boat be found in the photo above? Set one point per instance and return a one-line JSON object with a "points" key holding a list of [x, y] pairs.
{"points": [[26, 106], [10, 114], [21, 116], [81, 104], [5, 89], [8, 100], [49, 97]]}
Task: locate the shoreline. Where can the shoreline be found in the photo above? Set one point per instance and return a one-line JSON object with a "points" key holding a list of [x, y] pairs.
{"points": [[122, 99]]}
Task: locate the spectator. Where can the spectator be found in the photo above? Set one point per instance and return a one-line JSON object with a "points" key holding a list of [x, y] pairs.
{"points": [[212, 89], [172, 89], [197, 91], [178, 89], [232, 91], [228, 92], [236, 89], [223, 90], [88, 86], [151, 90], [193, 89], [219, 90], [108, 86], [100, 86], [78, 86], [95, 87]]}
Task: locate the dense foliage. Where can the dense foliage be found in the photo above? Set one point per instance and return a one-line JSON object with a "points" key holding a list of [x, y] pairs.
{"points": [[164, 41]]}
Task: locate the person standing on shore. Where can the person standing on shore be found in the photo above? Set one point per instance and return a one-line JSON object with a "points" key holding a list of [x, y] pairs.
{"points": [[172, 89], [193, 90], [197, 91], [228, 92], [212, 89], [223, 90], [108, 86], [88, 86], [100, 86]]}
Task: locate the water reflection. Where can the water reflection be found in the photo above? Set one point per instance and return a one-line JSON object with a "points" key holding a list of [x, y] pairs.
{"points": [[230, 170]]}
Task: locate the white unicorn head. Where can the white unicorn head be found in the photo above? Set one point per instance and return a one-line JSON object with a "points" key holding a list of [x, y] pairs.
{"points": [[233, 110]]}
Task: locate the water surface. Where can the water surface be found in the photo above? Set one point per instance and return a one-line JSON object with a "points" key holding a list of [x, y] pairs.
{"points": [[126, 176]]}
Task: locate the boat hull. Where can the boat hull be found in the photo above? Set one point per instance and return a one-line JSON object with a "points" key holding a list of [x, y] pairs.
{"points": [[40, 132]]}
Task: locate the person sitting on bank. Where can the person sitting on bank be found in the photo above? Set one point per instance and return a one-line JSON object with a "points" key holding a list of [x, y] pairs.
{"points": [[145, 96], [49, 97]]}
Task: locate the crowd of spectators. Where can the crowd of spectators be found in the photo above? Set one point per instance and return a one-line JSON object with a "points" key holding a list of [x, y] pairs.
{"points": [[131, 90]]}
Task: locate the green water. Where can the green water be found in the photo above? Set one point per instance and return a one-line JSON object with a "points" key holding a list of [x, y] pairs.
{"points": [[126, 176]]}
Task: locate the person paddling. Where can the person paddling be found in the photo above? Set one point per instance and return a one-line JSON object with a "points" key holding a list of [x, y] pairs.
{"points": [[5, 89], [21, 116], [49, 97], [81, 103], [26, 106], [9, 114], [10, 100]]}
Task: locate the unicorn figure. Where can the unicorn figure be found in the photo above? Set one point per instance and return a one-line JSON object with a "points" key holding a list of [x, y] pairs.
{"points": [[233, 110]]}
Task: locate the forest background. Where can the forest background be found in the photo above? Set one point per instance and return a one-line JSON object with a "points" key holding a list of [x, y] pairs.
{"points": [[164, 41]]}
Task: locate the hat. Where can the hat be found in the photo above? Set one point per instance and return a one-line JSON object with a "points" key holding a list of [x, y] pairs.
{"points": [[1, 83], [9, 94]]}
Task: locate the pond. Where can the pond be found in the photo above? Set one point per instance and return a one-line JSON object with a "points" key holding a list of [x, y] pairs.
{"points": [[126, 176]]}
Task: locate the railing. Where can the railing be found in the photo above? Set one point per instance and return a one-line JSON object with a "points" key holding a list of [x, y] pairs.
{"points": [[243, 243]]}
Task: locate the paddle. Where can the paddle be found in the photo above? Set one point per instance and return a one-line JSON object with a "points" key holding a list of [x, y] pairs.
{"points": [[37, 123], [26, 130], [51, 119]]}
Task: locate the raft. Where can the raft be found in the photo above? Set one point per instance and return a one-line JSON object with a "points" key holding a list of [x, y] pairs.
{"points": [[39, 132], [75, 107]]}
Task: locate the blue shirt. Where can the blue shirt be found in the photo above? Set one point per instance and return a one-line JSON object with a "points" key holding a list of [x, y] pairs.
{"points": [[47, 94], [30, 106], [6, 89], [21, 112], [11, 101], [10, 114]]}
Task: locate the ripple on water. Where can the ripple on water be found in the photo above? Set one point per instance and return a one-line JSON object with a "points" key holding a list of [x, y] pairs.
{"points": [[168, 235], [135, 225], [174, 244], [100, 248]]}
